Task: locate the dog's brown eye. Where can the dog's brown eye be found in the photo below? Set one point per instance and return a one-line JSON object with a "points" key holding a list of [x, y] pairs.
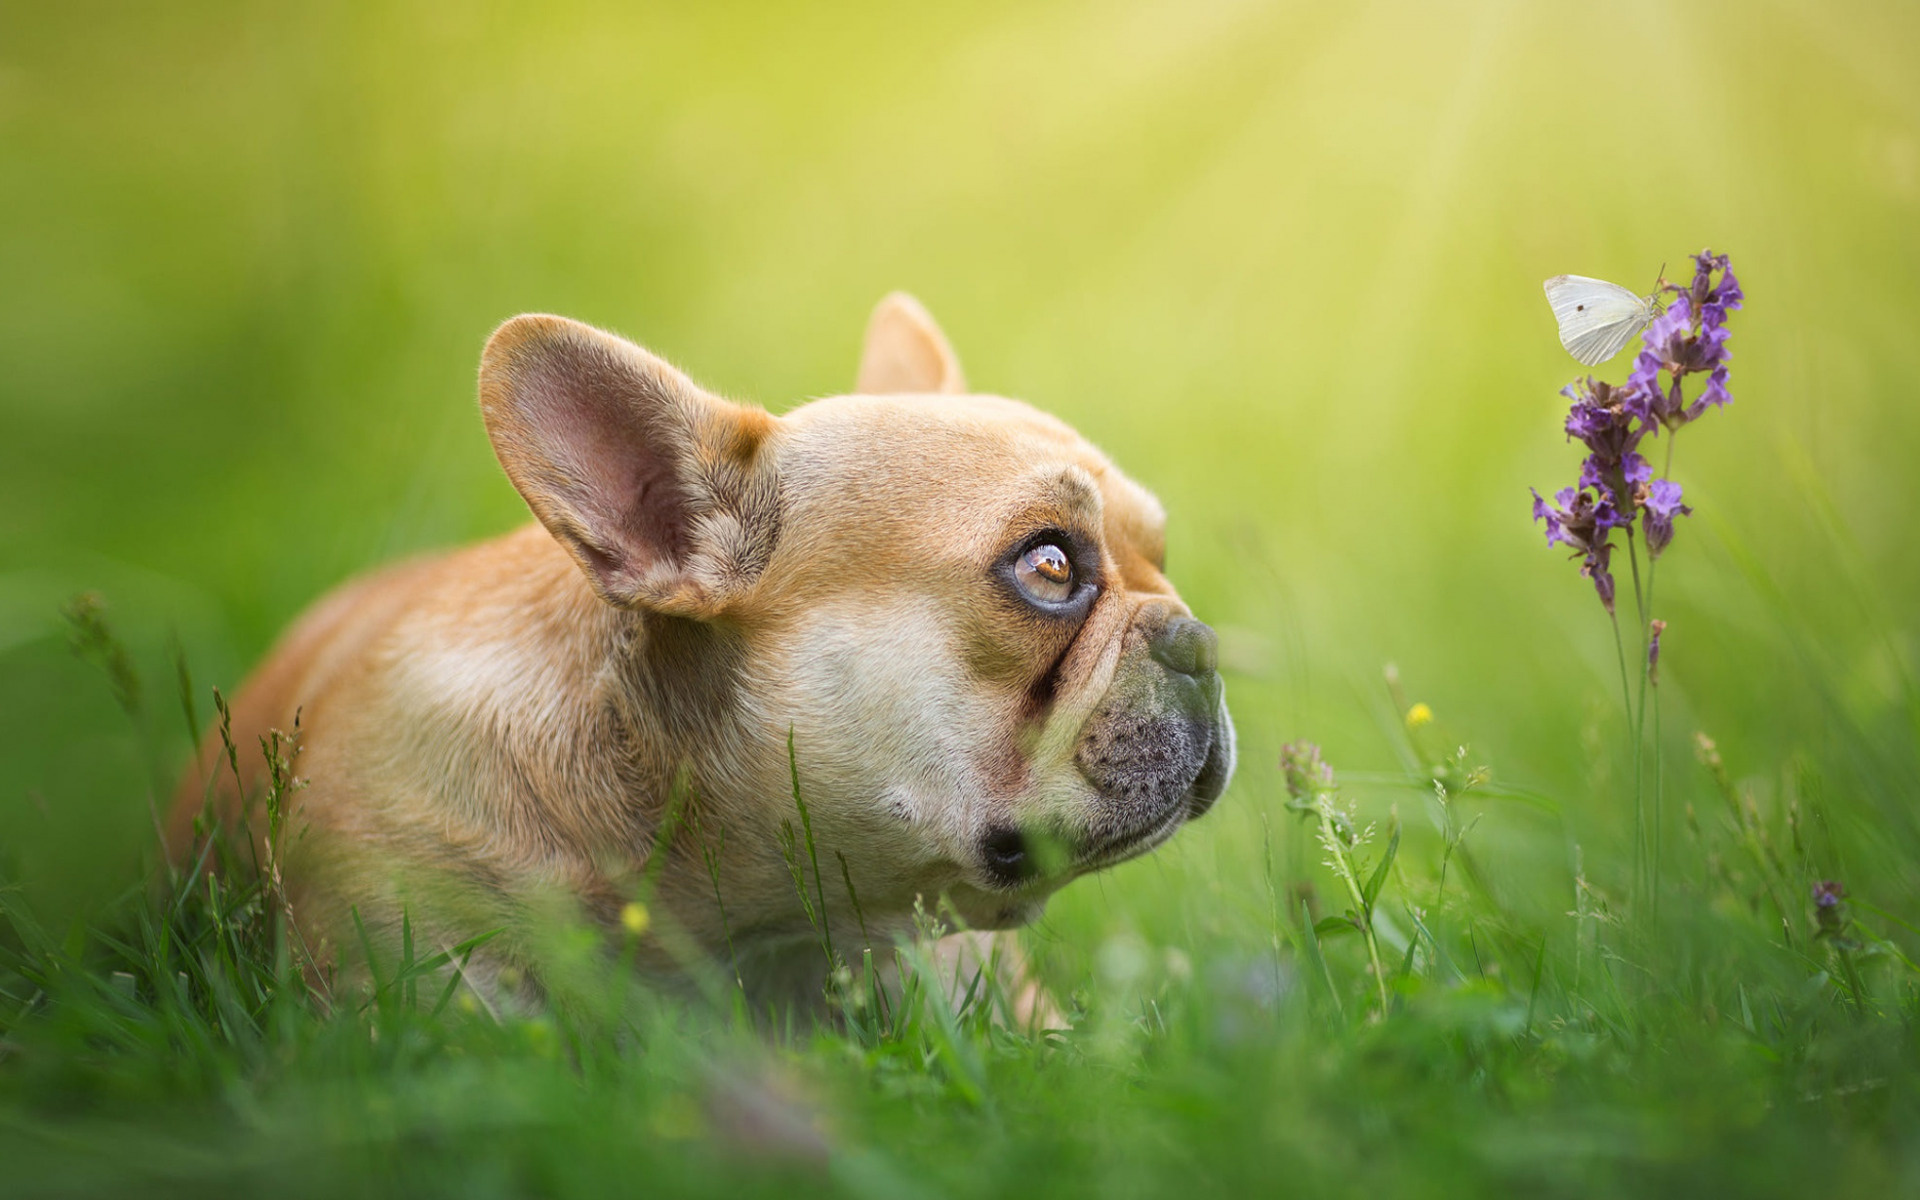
{"points": [[1045, 574]]}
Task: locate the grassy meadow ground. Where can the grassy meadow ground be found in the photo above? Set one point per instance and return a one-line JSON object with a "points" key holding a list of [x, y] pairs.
{"points": [[1282, 261]]}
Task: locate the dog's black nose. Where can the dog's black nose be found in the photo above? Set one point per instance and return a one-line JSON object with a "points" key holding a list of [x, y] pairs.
{"points": [[1187, 646]]}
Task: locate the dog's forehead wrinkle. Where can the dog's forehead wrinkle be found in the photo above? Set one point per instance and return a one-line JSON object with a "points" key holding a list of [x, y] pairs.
{"points": [[1071, 487]]}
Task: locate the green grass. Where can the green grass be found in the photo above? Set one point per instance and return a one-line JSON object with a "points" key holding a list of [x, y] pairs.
{"points": [[1283, 263], [1737, 1043]]}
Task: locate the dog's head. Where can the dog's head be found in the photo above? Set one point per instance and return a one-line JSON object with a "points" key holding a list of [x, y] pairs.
{"points": [[954, 604]]}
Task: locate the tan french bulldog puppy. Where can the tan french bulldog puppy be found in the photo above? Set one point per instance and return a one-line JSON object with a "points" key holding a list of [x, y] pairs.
{"points": [[951, 603]]}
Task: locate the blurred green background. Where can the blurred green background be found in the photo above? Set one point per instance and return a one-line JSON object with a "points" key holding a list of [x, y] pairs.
{"points": [[1282, 261]]}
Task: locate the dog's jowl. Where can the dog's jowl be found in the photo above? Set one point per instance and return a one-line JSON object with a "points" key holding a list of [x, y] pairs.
{"points": [[950, 607]]}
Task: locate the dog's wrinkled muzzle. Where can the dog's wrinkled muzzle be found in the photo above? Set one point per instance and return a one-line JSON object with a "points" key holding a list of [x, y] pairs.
{"points": [[1159, 750]]}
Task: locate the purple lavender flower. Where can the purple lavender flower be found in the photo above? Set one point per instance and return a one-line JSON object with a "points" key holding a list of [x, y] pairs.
{"points": [[1616, 483], [1658, 507], [1586, 523], [1655, 628], [1690, 338], [1660, 345], [1715, 300], [1542, 511], [1716, 393], [1595, 567], [1602, 420]]}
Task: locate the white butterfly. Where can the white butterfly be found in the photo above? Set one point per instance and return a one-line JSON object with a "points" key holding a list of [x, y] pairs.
{"points": [[1597, 318]]}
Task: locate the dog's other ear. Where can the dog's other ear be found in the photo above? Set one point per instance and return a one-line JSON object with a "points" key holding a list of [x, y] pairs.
{"points": [[660, 490], [906, 352]]}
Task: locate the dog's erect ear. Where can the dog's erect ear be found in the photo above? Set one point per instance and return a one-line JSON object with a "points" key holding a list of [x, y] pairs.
{"points": [[660, 490], [906, 352]]}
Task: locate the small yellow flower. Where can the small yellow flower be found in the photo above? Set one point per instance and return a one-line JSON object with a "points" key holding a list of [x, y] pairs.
{"points": [[636, 918], [1418, 715]]}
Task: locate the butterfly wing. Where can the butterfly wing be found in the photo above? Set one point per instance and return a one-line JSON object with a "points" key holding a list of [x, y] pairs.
{"points": [[1598, 345], [1596, 317]]}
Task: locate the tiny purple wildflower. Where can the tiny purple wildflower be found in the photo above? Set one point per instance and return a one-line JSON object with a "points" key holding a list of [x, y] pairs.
{"points": [[1601, 419], [1586, 523], [1830, 909], [1655, 628], [1660, 505], [1660, 345], [1715, 300], [1596, 568], [1690, 338], [1542, 511], [1716, 393], [1305, 772]]}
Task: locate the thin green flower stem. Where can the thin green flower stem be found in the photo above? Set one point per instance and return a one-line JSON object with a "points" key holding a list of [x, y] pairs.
{"points": [[1659, 797], [1639, 592], [1640, 712], [1626, 702], [1646, 678], [1642, 600], [1330, 838]]}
